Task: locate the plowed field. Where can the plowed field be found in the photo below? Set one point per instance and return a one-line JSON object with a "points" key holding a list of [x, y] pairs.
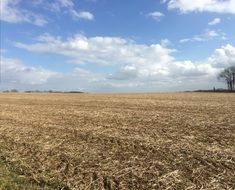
{"points": [[120, 141]]}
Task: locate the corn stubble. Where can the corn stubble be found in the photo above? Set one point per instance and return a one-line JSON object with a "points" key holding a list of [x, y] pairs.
{"points": [[120, 141]]}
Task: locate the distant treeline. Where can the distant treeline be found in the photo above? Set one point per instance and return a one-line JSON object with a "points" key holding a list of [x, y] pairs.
{"points": [[40, 91], [215, 90]]}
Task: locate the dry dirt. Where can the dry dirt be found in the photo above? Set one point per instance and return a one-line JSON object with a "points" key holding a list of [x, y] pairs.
{"points": [[120, 141]]}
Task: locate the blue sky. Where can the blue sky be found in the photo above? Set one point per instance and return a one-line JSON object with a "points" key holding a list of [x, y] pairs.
{"points": [[116, 45]]}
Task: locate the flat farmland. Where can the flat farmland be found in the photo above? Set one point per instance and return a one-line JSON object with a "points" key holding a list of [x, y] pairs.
{"points": [[119, 141]]}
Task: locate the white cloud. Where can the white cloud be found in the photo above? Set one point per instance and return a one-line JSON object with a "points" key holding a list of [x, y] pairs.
{"points": [[138, 65], [155, 15], [82, 15], [79, 79], [217, 6], [66, 7], [214, 21], [223, 57], [12, 13], [14, 74], [66, 3], [100, 50], [205, 36]]}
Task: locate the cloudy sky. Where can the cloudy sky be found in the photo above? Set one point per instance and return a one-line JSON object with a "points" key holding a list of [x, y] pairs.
{"points": [[115, 45]]}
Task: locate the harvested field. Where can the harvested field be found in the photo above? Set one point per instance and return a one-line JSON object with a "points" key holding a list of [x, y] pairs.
{"points": [[120, 141]]}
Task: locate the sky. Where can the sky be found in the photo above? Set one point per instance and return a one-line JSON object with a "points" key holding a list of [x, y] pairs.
{"points": [[116, 45]]}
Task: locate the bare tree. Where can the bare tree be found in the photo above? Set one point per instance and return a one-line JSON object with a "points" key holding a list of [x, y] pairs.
{"points": [[228, 75]]}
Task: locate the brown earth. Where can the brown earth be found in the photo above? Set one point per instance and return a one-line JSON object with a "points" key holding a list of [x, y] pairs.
{"points": [[120, 141]]}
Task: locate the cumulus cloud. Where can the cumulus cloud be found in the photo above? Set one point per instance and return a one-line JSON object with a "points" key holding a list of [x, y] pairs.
{"points": [[206, 36], [223, 57], [17, 75], [14, 73], [100, 50], [12, 13], [155, 15], [137, 66], [214, 21], [216, 6]]}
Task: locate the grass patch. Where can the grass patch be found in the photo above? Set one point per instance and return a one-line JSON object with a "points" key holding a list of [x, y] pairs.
{"points": [[9, 180]]}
